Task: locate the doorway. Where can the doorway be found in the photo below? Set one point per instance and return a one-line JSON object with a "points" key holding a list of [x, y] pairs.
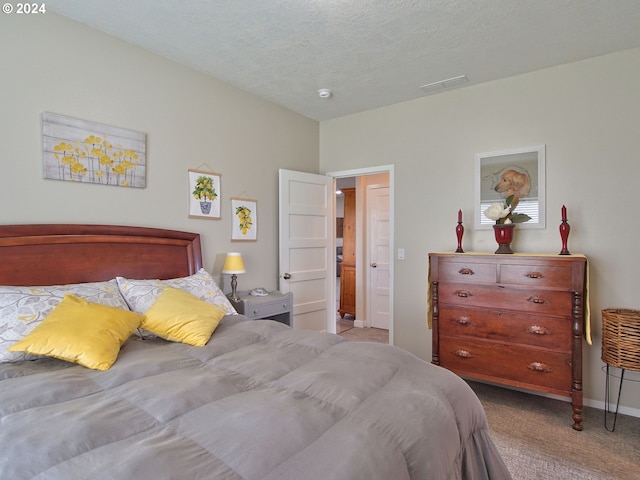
{"points": [[368, 277]]}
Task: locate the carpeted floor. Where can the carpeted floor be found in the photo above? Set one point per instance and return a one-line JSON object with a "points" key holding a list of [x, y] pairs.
{"points": [[535, 438], [376, 335]]}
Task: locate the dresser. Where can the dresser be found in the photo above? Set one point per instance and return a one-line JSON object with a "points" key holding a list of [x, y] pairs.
{"points": [[348, 265], [514, 320]]}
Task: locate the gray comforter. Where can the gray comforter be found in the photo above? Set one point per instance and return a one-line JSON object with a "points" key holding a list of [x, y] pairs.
{"points": [[259, 401]]}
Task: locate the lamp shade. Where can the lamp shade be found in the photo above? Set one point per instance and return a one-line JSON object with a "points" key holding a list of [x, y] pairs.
{"points": [[233, 264]]}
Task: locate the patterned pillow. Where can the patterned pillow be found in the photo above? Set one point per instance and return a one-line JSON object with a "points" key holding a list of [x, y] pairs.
{"points": [[23, 308], [140, 294], [68, 334]]}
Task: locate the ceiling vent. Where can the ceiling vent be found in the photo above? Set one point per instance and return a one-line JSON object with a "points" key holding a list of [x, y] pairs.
{"points": [[442, 84]]}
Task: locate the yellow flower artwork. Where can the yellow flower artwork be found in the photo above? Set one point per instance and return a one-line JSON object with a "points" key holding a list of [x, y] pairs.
{"points": [[79, 151]]}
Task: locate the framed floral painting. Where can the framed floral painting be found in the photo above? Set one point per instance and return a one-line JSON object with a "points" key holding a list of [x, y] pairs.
{"points": [[244, 219], [76, 150], [518, 172], [204, 194]]}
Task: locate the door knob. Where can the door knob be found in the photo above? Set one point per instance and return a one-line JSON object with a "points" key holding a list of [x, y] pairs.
{"points": [[374, 265], [286, 276]]}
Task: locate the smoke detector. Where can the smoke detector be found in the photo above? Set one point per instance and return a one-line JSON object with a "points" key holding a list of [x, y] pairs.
{"points": [[324, 93]]}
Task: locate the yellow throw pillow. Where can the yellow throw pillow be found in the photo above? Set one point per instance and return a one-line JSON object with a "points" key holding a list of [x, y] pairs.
{"points": [[179, 316], [81, 332]]}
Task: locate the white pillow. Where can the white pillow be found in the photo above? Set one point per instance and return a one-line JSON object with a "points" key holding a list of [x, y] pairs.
{"points": [[140, 294], [23, 308]]}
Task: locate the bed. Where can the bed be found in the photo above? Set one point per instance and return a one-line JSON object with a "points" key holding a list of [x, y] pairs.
{"points": [[259, 400]]}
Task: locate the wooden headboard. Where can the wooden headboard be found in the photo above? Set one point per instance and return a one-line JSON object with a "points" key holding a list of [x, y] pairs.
{"points": [[59, 254]]}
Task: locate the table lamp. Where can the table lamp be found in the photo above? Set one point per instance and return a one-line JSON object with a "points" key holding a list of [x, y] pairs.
{"points": [[233, 265]]}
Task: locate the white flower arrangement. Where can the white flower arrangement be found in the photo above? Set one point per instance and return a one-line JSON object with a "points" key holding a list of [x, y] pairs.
{"points": [[503, 213]]}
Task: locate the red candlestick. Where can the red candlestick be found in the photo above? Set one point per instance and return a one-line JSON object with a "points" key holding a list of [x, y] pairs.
{"points": [[565, 228], [459, 232]]}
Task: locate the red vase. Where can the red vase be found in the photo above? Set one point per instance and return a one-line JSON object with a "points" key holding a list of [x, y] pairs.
{"points": [[504, 236]]}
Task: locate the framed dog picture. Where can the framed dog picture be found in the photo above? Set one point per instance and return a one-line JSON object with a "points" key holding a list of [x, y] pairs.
{"points": [[519, 172]]}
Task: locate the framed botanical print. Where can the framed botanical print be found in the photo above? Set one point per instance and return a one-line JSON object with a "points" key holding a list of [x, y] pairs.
{"points": [[244, 219], [204, 194], [519, 172]]}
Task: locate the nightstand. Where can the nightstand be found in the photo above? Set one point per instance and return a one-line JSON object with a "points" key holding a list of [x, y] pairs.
{"points": [[275, 306]]}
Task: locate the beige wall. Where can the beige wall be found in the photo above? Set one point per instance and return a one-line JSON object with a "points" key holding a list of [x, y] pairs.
{"points": [[52, 64], [588, 116]]}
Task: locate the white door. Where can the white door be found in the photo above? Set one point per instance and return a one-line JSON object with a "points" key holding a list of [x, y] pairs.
{"points": [[379, 255], [307, 256]]}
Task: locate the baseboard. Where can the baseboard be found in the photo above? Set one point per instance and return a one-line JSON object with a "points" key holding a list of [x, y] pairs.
{"points": [[632, 412], [588, 402], [358, 324], [600, 405]]}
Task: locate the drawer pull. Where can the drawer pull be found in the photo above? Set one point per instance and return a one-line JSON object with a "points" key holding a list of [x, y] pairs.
{"points": [[539, 330], [463, 293], [534, 275], [466, 271], [462, 353], [463, 320], [539, 367], [538, 300]]}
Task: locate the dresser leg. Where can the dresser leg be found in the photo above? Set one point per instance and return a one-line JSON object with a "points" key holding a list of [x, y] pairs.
{"points": [[576, 370], [435, 320], [576, 405], [577, 418]]}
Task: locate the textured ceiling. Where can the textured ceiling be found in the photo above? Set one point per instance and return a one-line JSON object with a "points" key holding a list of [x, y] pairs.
{"points": [[369, 53]]}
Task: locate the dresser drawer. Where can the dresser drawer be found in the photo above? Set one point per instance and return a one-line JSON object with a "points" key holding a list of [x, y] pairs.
{"points": [[537, 275], [506, 362], [539, 302], [268, 309], [547, 332], [467, 272]]}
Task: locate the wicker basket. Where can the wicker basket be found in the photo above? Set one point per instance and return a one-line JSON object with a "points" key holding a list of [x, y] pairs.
{"points": [[621, 338]]}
